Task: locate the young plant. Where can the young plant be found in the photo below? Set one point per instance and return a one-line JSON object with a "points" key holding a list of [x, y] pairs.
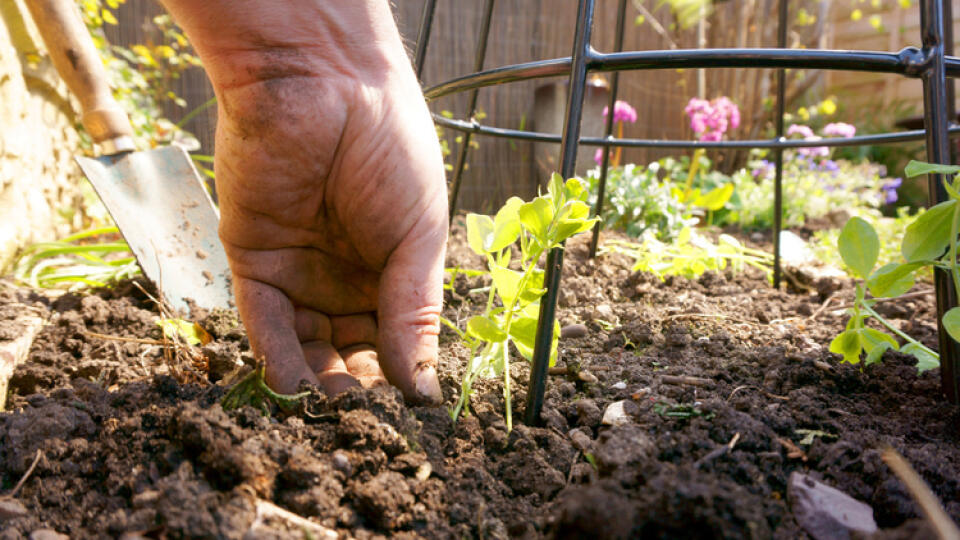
{"points": [[92, 258], [690, 255], [513, 301], [929, 241]]}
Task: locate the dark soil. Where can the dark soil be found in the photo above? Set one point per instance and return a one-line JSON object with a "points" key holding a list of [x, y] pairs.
{"points": [[128, 449]]}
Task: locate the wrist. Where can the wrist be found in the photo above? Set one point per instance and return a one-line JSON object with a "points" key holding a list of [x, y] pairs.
{"points": [[248, 41]]}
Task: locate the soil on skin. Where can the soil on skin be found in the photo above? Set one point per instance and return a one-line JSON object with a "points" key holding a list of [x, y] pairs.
{"points": [[127, 449]]}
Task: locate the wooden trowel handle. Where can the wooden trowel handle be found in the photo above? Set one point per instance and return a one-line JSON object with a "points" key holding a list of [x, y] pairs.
{"points": [[79, 65]]}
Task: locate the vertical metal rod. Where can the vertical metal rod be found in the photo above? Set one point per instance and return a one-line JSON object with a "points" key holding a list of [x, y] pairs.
{"points": [[466, 137], [778, 153], [568, 160], [950, 370], [608, 129], [938, 151], [423, 36]]}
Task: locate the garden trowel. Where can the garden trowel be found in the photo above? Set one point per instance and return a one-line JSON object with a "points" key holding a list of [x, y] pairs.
{"points": [[156, 197]]}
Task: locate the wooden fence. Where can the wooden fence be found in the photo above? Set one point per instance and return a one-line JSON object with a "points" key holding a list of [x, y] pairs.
{"points": [[525, 30]]}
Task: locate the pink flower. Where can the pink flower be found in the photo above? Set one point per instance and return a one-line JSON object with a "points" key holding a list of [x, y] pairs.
{"points": [[800, 129], [710, 120], [598, 156], [840, 129], [622, 112]]}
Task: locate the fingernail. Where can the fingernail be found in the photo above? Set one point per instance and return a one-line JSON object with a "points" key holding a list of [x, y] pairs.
{"points": [[428, 386]]}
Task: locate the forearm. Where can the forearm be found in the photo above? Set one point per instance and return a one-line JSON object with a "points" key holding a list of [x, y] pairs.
{"points": [[245, 41]]}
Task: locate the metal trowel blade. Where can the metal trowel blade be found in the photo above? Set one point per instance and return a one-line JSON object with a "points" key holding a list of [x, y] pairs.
{"points": [[161, 207]]}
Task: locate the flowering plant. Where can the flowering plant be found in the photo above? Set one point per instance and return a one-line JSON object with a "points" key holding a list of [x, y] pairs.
{"points": [[622, 112], [710, 120]]}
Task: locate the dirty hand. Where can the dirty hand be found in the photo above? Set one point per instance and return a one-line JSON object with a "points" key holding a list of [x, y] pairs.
{"points": [[332, 192]]}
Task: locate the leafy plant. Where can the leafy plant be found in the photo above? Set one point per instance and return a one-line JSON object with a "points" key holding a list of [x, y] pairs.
{"points": [[930, 241], [92, 258], [253, 390], [690, 255], [513, 301]]}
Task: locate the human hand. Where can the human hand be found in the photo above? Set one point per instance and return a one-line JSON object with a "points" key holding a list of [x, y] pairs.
{"points": [[332, 199]]}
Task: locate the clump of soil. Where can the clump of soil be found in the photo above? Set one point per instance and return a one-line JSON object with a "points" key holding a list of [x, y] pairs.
{"points": [[725, 387]]}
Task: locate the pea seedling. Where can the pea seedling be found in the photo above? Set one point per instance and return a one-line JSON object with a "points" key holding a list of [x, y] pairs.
{"points": [[539, 225], [929, 241]]}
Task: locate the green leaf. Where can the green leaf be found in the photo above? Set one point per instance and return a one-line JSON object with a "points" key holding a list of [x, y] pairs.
{"points": [[925, 360], [716, 198], [871, 339], [479, 228], [573, 220], [189, 331], [848, 345], [506, 226], [485, 329], [951, 323], [916, 168], [892, 279], [536, 217], [875, 354], [523, 332], [928, 236], [576, 190], [555, 190], [859, 246]]}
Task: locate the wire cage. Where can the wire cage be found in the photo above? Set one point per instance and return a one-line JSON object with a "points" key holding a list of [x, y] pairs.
{"points": [[933, 63]]}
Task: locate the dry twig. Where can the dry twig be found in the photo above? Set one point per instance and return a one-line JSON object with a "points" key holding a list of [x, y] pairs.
{"points": [[26, 475], [681, 380], [793, 451], [945, 528]]}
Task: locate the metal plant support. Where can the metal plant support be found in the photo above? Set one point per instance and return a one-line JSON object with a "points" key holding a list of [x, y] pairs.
{"points": [[933, 64]]}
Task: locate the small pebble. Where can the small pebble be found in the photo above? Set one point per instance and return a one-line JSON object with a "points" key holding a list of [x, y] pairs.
{"points": [[423, 471], [342, 463], [11, 509], [47, 534], [573, 331], [618, 413], [622, 385], [580, 440], [587, 377]]}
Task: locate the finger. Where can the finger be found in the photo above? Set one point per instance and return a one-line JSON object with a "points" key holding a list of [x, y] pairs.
{"points": [[410, 301], [329, 367], [312, 325], [353, 330], [268, 316], [362, 363]]}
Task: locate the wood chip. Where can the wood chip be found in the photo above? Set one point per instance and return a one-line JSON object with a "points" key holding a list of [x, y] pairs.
{"points": [[793, 451], [681, 380]]}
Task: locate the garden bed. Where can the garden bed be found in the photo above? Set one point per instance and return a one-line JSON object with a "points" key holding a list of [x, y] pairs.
{"points": [[726, 388]]}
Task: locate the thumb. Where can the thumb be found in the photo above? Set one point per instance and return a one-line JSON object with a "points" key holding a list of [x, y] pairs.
{"points": [[409, 305]]}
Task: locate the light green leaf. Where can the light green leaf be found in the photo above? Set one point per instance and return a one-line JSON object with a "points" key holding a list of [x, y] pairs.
{"points": [[576, 190], [916, 168], [848, 345], [871, 338], [523, 332], [928, 236], [891, 280], [859, 246], [555, 190], [506, 225], [925, 360], [479, 228], [536, 217], [573, 220], [506, 281], [951, 323], [875, 354], [715, 198], [483, 328]]}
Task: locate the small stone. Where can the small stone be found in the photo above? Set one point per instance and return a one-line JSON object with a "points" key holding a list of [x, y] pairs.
{"points": [[580, 440], [588, 414], [827, 513], [47, 534], [619, 413], [605, 313], [341, 462], [146, 499], [587, 377], [620, 385], [12, 509], [423, 472], [574, 331]]}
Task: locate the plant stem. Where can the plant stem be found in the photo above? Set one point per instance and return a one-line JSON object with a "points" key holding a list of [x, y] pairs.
{"points": [[954, 225], [694, 167], [506, 388], [897, 331]]}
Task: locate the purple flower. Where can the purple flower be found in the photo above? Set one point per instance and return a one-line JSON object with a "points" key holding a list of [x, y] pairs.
{"points": [[830, 165], [598, 156], [622, 112], [807, 134], [840, 129], [889, 189]]}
